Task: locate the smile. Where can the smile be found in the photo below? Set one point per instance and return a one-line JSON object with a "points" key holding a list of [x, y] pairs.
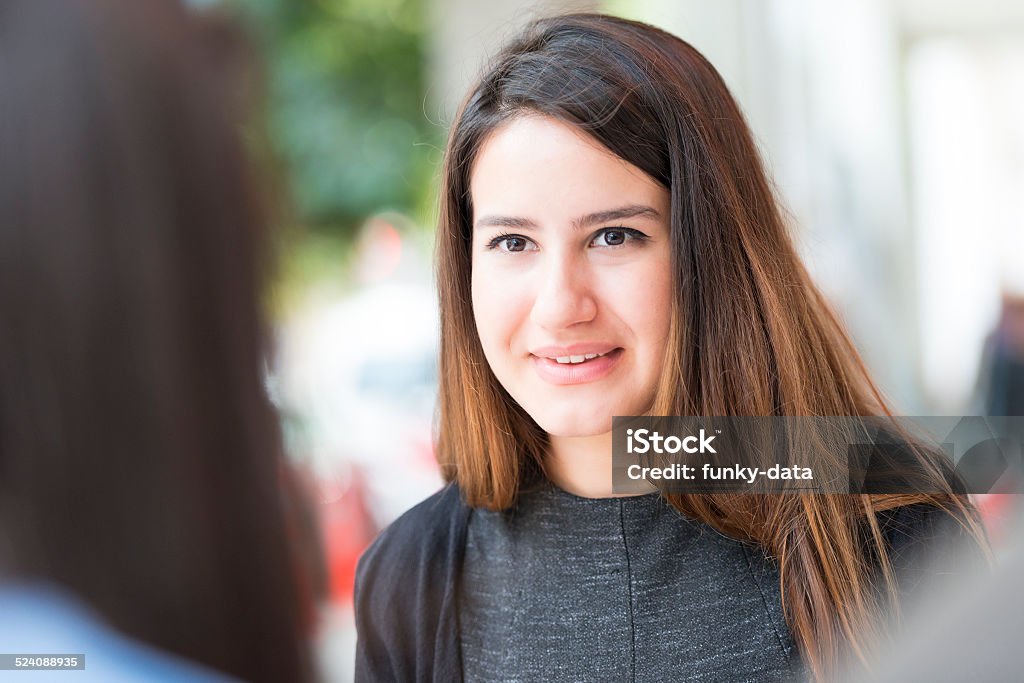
{"points": [[575, 360], [576, 368]]}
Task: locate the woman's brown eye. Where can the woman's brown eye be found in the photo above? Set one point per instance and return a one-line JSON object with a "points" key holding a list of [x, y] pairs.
{"points": [[614, 237], [511, 243], [611, 237]]}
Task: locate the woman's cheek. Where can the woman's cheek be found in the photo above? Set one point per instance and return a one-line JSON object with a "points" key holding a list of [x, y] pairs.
{"points": [[495, 309]]}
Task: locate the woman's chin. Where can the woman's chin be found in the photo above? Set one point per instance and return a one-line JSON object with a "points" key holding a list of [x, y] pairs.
{"points": [[573, 427]]}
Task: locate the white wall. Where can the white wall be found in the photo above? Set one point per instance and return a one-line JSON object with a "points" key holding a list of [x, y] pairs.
{"points": [[466, 33]]}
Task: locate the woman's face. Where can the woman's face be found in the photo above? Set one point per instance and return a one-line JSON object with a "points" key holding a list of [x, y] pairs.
{"points": [[571, 275]]}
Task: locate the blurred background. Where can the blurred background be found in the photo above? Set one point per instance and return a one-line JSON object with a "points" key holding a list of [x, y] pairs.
{"points": [[894, 130]]}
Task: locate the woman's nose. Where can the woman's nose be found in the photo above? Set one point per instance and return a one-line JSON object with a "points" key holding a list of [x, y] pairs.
{"points": [[564, 296]]}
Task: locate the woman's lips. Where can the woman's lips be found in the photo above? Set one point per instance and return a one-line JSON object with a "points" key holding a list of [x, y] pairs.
{"points": [[553, 372]]}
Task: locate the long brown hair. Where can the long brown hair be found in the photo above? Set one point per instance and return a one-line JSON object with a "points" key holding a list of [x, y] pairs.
{"points": [[751, 335], [140, 459]]}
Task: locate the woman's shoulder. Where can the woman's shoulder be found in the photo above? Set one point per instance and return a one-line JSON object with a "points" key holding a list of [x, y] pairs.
{"points": [[920, 524], [928, 543], [421, 533], [404, 593]]}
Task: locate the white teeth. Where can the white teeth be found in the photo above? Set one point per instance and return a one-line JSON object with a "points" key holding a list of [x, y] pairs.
{"points": [[572, 360]]}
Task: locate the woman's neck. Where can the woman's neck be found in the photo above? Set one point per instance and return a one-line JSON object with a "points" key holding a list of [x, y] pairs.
{"points": [[582, 465]]}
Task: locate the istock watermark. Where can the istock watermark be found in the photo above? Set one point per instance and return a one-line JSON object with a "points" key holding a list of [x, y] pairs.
{"points": [[890, 455]]}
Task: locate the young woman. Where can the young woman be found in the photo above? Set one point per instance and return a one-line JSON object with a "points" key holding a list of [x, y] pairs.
{"points": [[143, 521], [609, 245]]}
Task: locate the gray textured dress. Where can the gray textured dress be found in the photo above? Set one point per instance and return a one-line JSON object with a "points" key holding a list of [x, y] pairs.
{"points": [[563, 588]]}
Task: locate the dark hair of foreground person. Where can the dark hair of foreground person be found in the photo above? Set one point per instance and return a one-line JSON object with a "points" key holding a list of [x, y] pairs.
{"points": [[141, 463]]}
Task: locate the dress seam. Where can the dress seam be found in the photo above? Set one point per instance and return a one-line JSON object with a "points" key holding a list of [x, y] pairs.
{"points": [[629, 588], [769, 610]]}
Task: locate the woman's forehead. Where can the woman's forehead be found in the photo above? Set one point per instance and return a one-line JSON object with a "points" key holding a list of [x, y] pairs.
{"points": [[541, 169]]}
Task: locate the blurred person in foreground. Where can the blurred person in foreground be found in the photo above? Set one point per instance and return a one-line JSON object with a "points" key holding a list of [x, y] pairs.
{"points": [[142, 514]]}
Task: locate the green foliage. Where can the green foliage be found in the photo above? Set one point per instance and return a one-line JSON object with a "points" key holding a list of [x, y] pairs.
{"points": [[346, 84]]}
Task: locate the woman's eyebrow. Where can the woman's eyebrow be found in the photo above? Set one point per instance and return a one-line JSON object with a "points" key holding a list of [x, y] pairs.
{"points": [[506, 222], [596, 218], [633, 211]]}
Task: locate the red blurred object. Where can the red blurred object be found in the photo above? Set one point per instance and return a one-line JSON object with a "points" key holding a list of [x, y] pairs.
{"points": [[997, 512], [348, 529]]}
